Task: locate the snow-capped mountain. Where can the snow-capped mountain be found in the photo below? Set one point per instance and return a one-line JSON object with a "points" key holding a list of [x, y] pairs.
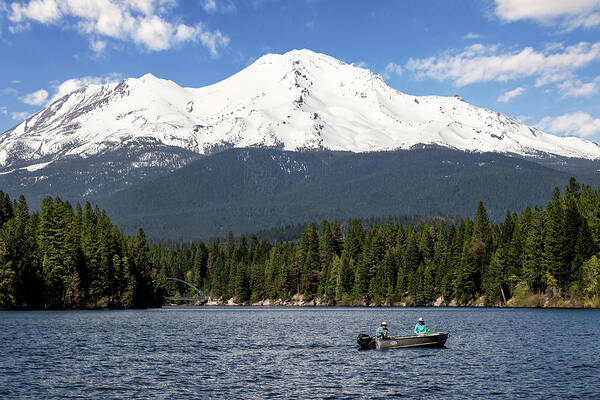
{"points": [[295, 101]]}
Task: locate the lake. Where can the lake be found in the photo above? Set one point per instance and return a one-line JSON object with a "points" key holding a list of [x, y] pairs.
{"points": [[248, 352]]}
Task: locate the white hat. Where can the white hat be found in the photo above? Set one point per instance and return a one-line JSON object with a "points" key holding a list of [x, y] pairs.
{"points": [[421, 319], [384, 323]]}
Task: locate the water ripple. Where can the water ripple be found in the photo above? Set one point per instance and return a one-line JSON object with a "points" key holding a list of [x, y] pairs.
{"points": [[273, 353]]}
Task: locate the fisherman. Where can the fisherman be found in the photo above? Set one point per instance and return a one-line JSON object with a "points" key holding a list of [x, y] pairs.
{"points": [[382, 332], [421, 328]]}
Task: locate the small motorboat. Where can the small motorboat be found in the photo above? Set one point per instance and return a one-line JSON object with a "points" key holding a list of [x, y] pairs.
{"points": [[436, 339]]}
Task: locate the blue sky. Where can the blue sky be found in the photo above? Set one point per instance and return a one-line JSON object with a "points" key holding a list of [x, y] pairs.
{"points": [[534, 60]]}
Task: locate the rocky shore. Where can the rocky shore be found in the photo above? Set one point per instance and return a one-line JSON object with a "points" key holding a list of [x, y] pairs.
{"points": [[298, 300]]}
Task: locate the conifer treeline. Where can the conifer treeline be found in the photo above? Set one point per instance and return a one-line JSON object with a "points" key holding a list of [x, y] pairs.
{"points": [[551, 250], [70, 258], [65, 257]]}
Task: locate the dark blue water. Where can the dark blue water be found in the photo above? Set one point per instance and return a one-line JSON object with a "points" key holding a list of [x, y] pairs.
{"points": [[297, 353]]}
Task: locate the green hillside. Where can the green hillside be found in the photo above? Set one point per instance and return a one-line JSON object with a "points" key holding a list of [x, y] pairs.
{"points": [[246, 190]]}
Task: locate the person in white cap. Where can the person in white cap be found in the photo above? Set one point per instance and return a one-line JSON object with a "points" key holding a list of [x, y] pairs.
{"points": [[420, 327], [382, 332]]}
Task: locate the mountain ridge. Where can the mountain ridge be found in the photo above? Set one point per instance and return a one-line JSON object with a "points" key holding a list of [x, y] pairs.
{"points": [[300, 100]]}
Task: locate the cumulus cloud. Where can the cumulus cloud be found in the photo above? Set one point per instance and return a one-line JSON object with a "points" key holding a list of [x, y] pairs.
{"points": [[143, 22], [577, 88], [481, 63], [19, 115], [44, 11], [507, 96], [569, 14], [392, 68], [70, 85], [36, 98], [576, 123]]}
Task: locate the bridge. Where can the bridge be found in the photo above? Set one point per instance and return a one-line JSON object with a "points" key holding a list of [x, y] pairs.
{"points": [[202, 298]]}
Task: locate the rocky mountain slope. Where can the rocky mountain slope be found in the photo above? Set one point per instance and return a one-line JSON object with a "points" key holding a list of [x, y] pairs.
{"points": [[295, 101], [320, 139]]}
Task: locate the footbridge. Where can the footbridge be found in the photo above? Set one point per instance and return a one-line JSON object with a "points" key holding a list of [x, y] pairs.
{"points": [[201, 297]]}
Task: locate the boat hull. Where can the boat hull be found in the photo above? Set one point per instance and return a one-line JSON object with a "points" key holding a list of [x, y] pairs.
{"points": [[437, 339]]}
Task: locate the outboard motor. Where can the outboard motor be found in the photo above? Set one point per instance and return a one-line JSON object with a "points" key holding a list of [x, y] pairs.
{"points": [[365, 341]]}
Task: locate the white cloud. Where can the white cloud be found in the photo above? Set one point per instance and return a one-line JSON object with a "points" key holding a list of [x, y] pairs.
{"points": [[362, 64], [569, 14], [310, 24], [507, 96], [480, 63], [392, 68], [143, 22], [576, 123], [70, 85], [211, 40], [18, 28], [44, 11], [36, 98], [3, 111], [471, 36], [210, 6], [19, 116], [222, 6], [97, 46], [577, 88]]}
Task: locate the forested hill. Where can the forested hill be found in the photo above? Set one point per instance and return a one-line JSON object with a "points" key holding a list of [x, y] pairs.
{"points": [[547, 256], [246, 190], [70, 258]]}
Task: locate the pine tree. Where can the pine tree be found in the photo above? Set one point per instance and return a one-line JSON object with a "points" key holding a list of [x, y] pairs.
{"points": [[354, 240], [345, 278], [333, 279], [6, 208], [494, 278], [554, 240], [412, 257], [327, 249], [140, 269], [242, 284], [310, 263], [7, 286], [533, 251], [338, 238]]}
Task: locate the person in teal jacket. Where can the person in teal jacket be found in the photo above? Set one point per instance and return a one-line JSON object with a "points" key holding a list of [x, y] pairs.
{"points": [[382, 332], [421, 328]]}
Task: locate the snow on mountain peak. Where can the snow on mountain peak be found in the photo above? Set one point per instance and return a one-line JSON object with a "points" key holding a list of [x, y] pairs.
{"points": [[297, 100]]}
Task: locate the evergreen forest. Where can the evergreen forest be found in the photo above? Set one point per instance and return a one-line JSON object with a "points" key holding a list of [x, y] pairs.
{"points": [[65, 257], [546, 256]]}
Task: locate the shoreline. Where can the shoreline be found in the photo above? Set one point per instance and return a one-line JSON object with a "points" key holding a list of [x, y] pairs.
{"points": [[308, 305], [542, 302]]}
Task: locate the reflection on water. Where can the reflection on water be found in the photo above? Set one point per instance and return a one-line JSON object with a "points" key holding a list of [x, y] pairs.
{"points": [[297, 353]]}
